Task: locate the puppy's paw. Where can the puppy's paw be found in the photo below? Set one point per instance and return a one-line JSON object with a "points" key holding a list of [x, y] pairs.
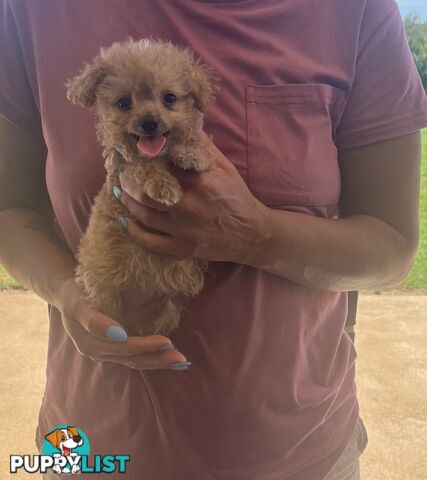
{"points": [[194, 158], [163, 190], [201, 163]]}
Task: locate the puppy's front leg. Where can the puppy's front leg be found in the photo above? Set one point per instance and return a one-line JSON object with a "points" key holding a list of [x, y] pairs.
{"points": [[192, 157], [158, 182]]}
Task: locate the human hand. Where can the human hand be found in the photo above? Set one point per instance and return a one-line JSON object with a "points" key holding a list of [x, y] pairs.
{"points": [[217, 218], [99, 337]]}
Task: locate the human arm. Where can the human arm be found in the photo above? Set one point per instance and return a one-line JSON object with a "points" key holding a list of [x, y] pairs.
{"points": [[30, 247], [218, 219], [373, 244], [32, 250]]}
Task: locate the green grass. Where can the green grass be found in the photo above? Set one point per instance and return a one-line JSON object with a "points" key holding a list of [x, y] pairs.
{"points": [[7, 282], [417, 280]]}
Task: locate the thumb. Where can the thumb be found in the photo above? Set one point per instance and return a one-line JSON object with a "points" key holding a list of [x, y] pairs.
{"points": [[101, 326], [217, 156]]}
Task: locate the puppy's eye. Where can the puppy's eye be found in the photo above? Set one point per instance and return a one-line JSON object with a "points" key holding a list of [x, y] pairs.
{"points": [[124, 103], [169, 99]]}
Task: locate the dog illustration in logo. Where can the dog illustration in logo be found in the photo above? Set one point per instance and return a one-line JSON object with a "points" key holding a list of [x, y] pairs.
{"points": [[65, 439]]}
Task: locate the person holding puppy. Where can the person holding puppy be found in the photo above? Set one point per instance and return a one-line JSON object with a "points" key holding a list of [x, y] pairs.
{"points": [[313, 192]]}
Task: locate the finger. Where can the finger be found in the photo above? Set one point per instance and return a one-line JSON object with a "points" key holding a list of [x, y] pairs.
{"points": [[186, 178], [151, 361], [218, 157], [96, 347], [149, 217], [154, 242], [137, 193], [103, 327], [94, 322]]}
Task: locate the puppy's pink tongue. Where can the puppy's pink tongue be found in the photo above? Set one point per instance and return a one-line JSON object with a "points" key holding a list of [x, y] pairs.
{"points": [[151, 146]]}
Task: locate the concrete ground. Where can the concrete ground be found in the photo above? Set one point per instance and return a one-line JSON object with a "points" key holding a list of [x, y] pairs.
{"points": [[391, 340]]}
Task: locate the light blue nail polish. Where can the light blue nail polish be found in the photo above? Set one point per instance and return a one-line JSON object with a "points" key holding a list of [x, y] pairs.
{"points": [[123, 222], [117, 192], [167, 346], [180, 366], [117, 334], [120, 148]]}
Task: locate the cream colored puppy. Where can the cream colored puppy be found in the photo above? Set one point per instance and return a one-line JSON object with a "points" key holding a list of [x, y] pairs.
{"points": [[149, 98]]}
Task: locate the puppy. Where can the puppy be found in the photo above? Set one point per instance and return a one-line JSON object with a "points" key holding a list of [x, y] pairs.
{"points": [[149, 97]]}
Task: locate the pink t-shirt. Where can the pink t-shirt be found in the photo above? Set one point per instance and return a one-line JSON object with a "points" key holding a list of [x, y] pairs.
{"points": [[271, 393]]}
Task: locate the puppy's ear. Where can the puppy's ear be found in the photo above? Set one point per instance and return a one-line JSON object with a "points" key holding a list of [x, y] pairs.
{"points": [[203, 85], [54, 437], [73, 431], [81, 89]]}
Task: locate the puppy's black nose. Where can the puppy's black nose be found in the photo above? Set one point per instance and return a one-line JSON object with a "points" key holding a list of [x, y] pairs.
{"points": [[149, 126], [77, 438]]}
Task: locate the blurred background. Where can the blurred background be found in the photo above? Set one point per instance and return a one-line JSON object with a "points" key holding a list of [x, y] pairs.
{"points": [[408, 7]]}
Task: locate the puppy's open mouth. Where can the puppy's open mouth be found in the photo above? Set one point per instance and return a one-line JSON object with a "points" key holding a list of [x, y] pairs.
{"points": [[151, 146]]}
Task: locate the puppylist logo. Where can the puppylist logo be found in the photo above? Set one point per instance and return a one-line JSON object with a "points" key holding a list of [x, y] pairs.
{"points": [[66, 450]]}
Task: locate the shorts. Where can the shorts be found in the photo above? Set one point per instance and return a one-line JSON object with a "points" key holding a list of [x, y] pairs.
{"points": [[347, 465]]}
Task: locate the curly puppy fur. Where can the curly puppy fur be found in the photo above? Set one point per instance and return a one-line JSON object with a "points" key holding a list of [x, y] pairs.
{"points": [[134, 84]]}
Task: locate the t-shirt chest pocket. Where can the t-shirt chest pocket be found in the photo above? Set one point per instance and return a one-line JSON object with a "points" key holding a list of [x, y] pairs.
{"points": [[292, 157]]}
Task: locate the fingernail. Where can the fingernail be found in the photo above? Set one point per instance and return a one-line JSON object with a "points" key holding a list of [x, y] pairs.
{"points": [[117, 334], [117, 192], [120, 148], [167, 346], [123, 222], [180, 366]]}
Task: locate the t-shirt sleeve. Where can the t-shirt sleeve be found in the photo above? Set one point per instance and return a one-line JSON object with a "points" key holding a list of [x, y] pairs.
{"points": [[387, 98], [17, 102]]}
